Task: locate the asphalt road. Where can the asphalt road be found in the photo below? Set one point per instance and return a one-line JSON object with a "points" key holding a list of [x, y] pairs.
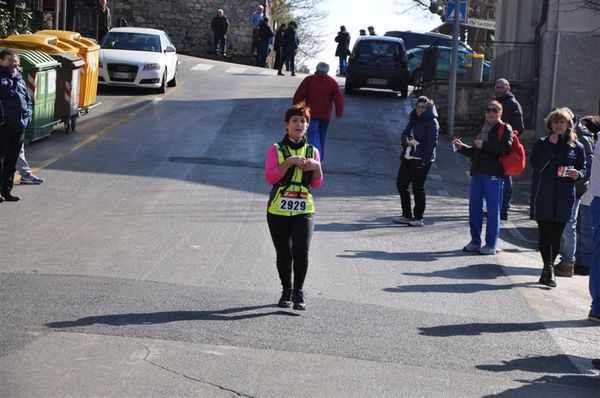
{"points": [[143, 265]]}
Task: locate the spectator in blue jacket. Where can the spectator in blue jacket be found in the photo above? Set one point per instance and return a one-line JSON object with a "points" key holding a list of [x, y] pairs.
{"points": [[419, 141], [15, 116], [558, 160], [486, 178]]}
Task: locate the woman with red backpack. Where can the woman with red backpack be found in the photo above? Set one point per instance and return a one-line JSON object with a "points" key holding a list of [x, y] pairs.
{"points": [[486, 177]]}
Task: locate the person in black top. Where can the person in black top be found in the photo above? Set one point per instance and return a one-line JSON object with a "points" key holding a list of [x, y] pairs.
{"points": [[265, 37], [220, 26], [343, 48], [15, 116], [486, 177], [289, 48], [104, 20]]}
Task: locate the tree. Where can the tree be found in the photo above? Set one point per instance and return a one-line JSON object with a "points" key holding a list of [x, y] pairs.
{"points": [[308, 16]]}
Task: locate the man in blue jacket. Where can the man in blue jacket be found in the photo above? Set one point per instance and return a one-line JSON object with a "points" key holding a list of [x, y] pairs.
{"points": [[15, 116]]}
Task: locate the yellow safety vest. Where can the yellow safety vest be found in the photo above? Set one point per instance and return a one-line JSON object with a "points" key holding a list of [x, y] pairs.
{"points": [[291, 195]]}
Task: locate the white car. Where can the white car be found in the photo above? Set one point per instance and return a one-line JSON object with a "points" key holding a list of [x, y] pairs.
{"points": [[138, 57]]}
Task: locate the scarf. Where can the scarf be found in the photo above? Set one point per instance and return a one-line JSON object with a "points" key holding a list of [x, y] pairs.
{"points": [[294, 145]]}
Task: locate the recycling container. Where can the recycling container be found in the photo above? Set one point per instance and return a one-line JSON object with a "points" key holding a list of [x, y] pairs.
{"points": [[89, 51], [39, 73], [45, 43], [477, 68], [67, 90]]}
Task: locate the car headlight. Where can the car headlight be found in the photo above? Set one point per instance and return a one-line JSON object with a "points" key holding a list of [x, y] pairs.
{"points": [[151, 66]]}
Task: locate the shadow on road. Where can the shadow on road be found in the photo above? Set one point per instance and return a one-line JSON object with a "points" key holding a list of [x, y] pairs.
{"points": [[459, 288], [546, 386], [231, 314], [474, 271], [478, 329], [559, 364], [402, 256]]}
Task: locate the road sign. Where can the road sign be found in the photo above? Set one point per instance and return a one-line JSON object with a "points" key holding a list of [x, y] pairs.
{"points": [[463, 10], [481, 23]]}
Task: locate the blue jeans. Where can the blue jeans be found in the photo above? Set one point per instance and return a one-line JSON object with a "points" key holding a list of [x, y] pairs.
{"points": [[317, 131], [585, 237], [343, 65], [595, 265], [490, 188], [568, 240], [506, 194]]}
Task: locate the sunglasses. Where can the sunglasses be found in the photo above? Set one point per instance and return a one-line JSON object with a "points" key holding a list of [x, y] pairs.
{"points": [[494, 110]]}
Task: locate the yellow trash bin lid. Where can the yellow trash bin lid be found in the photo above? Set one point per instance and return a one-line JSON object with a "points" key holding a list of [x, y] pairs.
{"points": [[45, 43]]}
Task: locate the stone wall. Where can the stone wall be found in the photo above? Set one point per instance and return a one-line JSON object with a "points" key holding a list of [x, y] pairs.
{"points": [[187, 22]]}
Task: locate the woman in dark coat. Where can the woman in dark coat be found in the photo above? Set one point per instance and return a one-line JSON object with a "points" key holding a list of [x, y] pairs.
{"points": [[343, 48], [486, 177], [419, 140], [558, 160]]}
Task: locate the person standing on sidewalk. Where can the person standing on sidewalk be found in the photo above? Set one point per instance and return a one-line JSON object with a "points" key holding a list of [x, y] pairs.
{"points": [[15, 117], [104, 20], [513, 115], [292, 167], [568, 240], [486, 178], [289, 47], [558, 160], [220, 27], [594, 285], [277, 45], [27, 177], [343, 48], [255, 19], [320, 92], [419, 141], [265, 38]]}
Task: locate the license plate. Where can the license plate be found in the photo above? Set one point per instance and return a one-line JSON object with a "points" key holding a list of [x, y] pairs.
{"points": [[123, 75], [379, 82]]}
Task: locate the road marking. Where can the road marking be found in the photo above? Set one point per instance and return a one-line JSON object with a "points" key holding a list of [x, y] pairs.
{"points": [[104, 131], [443, 192], [203, 67], [234, 69]]}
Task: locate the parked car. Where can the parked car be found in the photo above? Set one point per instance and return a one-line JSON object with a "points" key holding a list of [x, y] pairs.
{"points": [[414, 39], [378, 62], [138, 57], [415, 57]]}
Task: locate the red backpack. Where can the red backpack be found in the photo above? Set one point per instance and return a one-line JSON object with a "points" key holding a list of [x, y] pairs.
{"points": [[513, 163]]}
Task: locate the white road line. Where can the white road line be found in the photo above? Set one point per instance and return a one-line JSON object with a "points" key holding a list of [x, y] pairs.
{"points": [[234, 69], [203, 67]]}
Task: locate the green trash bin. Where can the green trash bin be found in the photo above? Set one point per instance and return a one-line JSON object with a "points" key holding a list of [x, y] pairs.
{"points": [[39, 73], [67, 89]]}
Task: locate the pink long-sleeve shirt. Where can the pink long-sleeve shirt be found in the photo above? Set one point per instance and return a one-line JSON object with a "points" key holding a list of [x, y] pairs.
{"points": [[272, 174]]}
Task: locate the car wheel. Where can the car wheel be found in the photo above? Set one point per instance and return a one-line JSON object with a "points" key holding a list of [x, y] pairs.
{"points": [[163, 85], [173, 81]]}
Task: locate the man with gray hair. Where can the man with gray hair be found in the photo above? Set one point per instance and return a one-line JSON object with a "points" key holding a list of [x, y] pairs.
{"points": [[512, 114], [320, 92]]}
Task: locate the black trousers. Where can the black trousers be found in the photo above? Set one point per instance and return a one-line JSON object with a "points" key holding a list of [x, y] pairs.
{"points": [[291, 237], [288, 56], [549, 239], [412, 172], [11, 141]]}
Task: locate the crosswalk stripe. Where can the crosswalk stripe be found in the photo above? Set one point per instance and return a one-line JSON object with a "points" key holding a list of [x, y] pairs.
{"points": [[234, 69], [203, 67]]}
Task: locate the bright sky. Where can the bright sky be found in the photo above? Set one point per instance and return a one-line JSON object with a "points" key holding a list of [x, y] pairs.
{"points": [[383, 15]]}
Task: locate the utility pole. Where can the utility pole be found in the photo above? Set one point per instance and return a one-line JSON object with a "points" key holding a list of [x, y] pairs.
{"points": [[453, 68]]}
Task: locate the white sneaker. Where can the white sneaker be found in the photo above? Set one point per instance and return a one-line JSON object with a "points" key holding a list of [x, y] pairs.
{"points": [[416, 222], [487, 250]]}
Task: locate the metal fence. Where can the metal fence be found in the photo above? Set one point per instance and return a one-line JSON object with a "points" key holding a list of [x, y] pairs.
{"points": [[510, 60]]}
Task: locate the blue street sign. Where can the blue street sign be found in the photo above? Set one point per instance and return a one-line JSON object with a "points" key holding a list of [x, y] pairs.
{"points": [[462, 9]]}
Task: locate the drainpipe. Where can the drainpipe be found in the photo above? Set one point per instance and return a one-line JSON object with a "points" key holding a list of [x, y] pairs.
{"points": [[536, 43], [555, 72]]}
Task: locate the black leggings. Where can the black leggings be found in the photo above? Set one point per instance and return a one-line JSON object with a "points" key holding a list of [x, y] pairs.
{"points": [[549, 239], [412, 172], [291, 237]]}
